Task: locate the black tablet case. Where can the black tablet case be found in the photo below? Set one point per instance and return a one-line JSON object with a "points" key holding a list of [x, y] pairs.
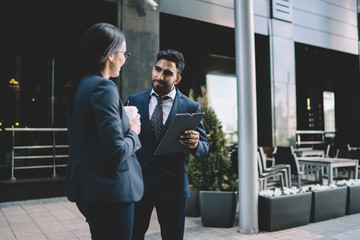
{"points": [[181, 122]]}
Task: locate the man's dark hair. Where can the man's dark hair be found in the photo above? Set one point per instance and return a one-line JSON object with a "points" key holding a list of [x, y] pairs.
{"points": [[173, 56]]}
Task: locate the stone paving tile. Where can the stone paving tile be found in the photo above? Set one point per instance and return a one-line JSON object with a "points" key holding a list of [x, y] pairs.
{"points": [[16, 215], [354, 232], [343, 236], [58, 218], [61, 236], [84, 238], [290, 233], [60, 212], [52, 227], [73, 208], [40, 215], [6, 233], [3, 221], [27, 231], [82, 233]]}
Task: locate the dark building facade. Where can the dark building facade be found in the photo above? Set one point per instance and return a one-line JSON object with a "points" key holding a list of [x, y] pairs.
{"points": [[310, 48]]}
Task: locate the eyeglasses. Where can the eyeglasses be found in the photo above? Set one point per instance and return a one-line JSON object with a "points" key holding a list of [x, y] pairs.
{"points": [[126, 54]]}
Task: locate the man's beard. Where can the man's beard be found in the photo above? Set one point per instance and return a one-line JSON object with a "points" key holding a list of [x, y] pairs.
{"points": [[161, 90]]}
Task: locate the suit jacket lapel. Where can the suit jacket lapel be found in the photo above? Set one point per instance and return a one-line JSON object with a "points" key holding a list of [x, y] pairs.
{"points": [[144, 110], [174, 110]]}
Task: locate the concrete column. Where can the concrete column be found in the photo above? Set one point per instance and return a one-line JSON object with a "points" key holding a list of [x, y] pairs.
{"points": [[141, 28], [247, 125]]}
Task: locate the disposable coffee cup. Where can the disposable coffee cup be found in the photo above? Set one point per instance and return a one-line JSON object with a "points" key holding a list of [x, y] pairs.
{"points": [[131, 111]]}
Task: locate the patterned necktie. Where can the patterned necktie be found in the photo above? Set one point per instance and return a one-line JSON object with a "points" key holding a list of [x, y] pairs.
{"points": [[156, 121]]}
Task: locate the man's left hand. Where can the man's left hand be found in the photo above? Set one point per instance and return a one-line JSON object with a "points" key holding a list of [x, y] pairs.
{"points": [[190, 138]]}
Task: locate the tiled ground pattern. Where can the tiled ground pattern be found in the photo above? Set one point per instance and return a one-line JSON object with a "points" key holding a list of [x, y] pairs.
{"points": [[59, 219]]}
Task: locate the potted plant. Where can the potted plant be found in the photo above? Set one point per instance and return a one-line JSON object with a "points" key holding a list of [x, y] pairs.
{"points": [[353, 195], [284, 208], [212, 177], [327, 202]]}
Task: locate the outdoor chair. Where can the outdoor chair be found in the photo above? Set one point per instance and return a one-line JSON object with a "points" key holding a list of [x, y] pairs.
{"points": [[331, 150], [268, 151], [348, 146], [283, 168], [286, 155], [269, 179], [345, 153], [320, 146], [352, 148]]}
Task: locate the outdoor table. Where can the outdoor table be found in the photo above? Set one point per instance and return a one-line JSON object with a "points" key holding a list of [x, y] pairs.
{"points": [[330, 164], [308, 152]]}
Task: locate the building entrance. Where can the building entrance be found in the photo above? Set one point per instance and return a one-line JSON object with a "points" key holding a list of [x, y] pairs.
{"points": [[321, 75], [209, 49]]}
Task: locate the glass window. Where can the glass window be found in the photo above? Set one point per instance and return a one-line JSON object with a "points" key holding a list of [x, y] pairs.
{"points": [[329, 111], [221, 91], [24, 92]]}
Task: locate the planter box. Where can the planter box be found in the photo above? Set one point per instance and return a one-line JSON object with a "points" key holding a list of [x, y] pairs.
{"points": [[217, 209], [353, 199], [328, 204], [276, 213], [192, 204]]}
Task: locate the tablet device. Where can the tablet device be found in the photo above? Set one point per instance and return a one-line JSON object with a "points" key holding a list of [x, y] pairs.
{"points": [[181, 122]]}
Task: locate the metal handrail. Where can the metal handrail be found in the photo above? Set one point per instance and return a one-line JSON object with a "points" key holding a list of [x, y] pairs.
{"points": [[36, 129], [42, 146], [53, 146], [309, 132]]}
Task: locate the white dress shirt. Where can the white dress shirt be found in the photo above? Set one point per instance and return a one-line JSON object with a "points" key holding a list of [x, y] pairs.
{"points": [[166, 104]]}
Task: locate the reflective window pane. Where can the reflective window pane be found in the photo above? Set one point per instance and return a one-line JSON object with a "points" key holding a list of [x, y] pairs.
{"points": [[221, 90]]}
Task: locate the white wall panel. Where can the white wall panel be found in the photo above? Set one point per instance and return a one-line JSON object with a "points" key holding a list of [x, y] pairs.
{"points": [[282, 29], [220, 12], [325, 9], [349, 4], [324, 24], [199, 10], [282, 10], [261, 7], [325, 40], [224, 3], [329, 24], [261, 25]]}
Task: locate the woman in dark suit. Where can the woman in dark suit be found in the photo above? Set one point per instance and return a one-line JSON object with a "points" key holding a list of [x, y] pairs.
{"points": [[103, 176]]}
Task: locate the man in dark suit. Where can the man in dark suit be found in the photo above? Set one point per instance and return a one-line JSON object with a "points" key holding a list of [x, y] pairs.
{"points": [[166, 184]]}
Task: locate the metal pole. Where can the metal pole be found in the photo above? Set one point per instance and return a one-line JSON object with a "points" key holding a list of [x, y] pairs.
{"points": [[247, 119], [52, 91]]}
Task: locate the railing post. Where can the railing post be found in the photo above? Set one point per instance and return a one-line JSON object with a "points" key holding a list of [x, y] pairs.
{"points": [[54, 156], [48, 156], [12, 156]]}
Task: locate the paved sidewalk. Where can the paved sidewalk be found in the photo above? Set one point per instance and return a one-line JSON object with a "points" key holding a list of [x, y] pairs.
{"points": [[57, 218]]}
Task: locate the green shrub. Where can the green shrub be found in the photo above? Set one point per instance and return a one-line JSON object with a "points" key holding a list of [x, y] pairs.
{"points": [[213, 173]]}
